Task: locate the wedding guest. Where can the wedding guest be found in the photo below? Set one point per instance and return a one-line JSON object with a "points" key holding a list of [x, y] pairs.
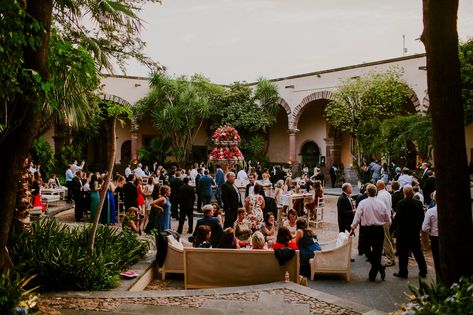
{"points": [[278, 190], [257, 240], [186, 198], [217, 213], [209, 220], [284, 239], [307, 243], [430, 225], [242, 228], [269, 228], [160, 215], [131, 221], [202, 238], [291, 222], [228, 239]]}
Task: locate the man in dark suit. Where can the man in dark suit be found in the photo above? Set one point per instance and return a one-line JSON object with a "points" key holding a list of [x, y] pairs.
{"points": [[175, 182], [231, 199], [197, 190], [408, 221], [250, 187], [77, 195], [345, 208], [130, 193], [397, 195], [215, 227], [186, 198], [428, 187]]}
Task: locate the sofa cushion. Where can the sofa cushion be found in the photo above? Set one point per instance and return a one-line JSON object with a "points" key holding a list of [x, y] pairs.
{"points": [[172, 241]]}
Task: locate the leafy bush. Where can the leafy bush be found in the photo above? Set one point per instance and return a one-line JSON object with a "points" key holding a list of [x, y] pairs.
{"points": [[43, 154], [438, 299], [14, 297], [57, 254]]}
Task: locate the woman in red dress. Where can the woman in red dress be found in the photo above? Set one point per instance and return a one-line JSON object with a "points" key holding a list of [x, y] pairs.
{"points": [[140, 199]]}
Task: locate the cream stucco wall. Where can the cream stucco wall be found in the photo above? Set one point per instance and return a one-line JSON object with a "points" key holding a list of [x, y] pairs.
{"points": [[312, 127], [278, 144], [346, 154]]}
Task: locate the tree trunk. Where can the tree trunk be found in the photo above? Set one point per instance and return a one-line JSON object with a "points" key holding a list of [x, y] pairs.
{"points": [[16, 145], [440, 38], [104, 190]]}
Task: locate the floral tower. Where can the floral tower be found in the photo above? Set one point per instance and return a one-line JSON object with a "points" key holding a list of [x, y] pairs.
{"points": [[226, 152]]}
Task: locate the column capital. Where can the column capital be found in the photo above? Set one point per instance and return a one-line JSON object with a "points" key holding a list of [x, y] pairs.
{"points": [[134, 127], [292, 131]]}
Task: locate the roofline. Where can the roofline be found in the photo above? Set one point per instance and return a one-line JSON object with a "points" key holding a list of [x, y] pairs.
{"points": [[296, 76], [360, 65], [122, 76]]}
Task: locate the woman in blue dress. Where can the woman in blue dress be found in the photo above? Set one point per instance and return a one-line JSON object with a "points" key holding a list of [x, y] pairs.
{"points": [[160, 215], [306, 240], [94, 196]]}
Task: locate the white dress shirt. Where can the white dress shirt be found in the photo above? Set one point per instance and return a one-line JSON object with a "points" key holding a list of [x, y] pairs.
{"points": [[127, 172], [431, 222], [371, 211], [404, 179], [139, 172], [386, 198], [242, 176], [193, 174]]}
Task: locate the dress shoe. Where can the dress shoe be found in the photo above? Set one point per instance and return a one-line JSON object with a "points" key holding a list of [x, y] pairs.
{"points": [[382, 272], [398, 275]]}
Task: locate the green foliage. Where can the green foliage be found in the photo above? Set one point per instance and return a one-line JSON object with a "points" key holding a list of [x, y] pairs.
{"points": [[359, 106], [57, 254], [375, 95], [66, 155], [110, 31], [15, 297], [178, 108], [71, 87], [249, 110], [466, 67], [438, 299], [157, 149], [253, 146], [15, 36], [43, 154]]}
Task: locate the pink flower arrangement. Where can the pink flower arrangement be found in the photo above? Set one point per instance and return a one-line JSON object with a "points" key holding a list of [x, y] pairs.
{"points": [[226, 139]]}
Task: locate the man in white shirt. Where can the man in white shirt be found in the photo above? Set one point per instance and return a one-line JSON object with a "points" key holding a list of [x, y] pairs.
{"points": [[242, 175], [128, 171], [372, 214], [193, 173], [69, 177], [405, 178], [430, 224], [139, 170], [386, 199], [76, 167]]}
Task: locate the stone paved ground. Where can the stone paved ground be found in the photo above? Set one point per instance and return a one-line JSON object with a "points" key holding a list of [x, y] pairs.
{"points": [[383, 295], [273, 301]]}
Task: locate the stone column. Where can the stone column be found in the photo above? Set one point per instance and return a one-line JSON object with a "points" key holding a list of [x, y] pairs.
{"points": [[292, 146], [134, 129]]}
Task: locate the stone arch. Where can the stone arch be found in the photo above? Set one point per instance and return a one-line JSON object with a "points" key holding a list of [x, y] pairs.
{"points": [[116, 99], [296, 115], [287, 108], [426, 103], [415, 101]]}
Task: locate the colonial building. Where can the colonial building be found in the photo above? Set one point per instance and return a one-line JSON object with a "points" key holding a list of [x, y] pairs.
{"points": [[301, 134]]}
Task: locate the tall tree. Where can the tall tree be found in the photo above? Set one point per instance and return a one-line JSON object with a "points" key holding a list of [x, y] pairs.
{"points": [[440, 38], [178, 108], [360, 104], [26, 89]]}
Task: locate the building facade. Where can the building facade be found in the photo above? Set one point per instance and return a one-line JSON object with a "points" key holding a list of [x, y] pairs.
{"points": [[301, 134]]}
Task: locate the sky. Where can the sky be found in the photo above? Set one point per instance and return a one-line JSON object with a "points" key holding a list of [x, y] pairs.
{"points": [[243, 40]]}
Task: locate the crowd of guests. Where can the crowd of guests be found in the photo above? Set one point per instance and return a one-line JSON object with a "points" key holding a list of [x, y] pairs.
{"points": [[151, 198], [384, 216]]}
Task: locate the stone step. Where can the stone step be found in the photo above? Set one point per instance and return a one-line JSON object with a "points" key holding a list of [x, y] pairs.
{"points": [[144, 309], [251, 307]]}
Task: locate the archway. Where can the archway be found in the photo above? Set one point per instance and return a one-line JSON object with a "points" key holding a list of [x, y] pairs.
{"points": [[125, 152], [277, 146], [310, 154]]}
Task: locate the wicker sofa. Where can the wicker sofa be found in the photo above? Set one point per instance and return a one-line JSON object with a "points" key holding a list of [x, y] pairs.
{"points": [[334, 258]]}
